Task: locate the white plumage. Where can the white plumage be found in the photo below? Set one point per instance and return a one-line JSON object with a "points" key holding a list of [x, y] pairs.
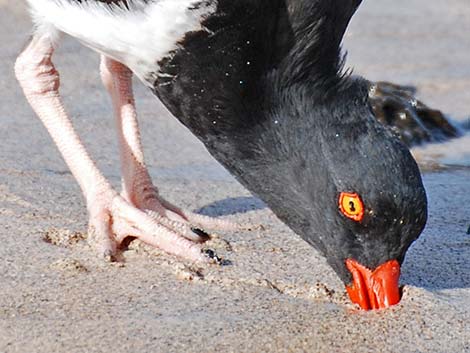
{"points": [[137, 37]]}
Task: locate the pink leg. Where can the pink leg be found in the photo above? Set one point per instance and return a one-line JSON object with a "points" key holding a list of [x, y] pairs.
{"points": [[112, 217], [137, 184]]}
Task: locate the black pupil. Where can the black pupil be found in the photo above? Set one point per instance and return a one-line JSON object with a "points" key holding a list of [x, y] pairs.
{"points": [[351, 206]]}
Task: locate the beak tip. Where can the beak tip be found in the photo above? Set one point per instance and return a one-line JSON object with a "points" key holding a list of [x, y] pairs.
{"points": [[376, 289]]}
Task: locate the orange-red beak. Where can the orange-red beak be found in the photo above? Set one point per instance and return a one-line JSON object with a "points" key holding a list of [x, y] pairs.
{"points": [[374, 290]]}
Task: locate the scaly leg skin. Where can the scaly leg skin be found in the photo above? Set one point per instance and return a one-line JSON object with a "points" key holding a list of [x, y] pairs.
{"points": [[112, 217], [138, 188]]}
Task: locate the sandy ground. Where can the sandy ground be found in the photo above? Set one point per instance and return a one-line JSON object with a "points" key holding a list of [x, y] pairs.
{"points": [[277, 294]]}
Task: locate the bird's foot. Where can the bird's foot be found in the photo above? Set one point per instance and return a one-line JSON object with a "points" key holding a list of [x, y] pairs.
{"points": [[192, 226], [200, 222], [113, 219]]}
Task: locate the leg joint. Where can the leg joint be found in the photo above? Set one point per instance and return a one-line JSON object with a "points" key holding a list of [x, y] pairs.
{"points": [[34, 69], [113, 72]]}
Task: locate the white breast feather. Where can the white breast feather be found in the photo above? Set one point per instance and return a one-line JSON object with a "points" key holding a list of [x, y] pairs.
{"points": [[138, 37]]}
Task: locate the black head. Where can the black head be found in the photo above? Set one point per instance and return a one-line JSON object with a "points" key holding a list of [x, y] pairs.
{"points": [[311, 150]]}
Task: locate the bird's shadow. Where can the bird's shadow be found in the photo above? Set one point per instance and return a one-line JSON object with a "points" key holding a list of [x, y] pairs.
{"points": [[232, 205], [438, 262]]}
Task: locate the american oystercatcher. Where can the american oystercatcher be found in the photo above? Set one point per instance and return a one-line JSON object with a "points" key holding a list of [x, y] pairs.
{"points": [[261, 84]]}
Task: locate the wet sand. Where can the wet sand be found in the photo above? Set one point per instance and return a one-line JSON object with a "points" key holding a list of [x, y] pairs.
{"points": [[277, 294]]}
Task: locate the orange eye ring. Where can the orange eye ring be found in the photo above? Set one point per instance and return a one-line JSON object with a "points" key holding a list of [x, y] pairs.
{"points": [[351, 206]]}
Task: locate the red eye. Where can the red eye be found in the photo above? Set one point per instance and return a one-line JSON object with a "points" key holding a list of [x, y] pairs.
{"points": [[350, 205]]}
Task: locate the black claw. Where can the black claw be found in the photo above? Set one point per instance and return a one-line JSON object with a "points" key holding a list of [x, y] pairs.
{"points": [[209, 253], [213, 256], [201, 233]]}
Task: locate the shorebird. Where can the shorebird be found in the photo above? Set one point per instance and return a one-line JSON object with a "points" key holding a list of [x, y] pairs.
{"points": [[261, 83]]}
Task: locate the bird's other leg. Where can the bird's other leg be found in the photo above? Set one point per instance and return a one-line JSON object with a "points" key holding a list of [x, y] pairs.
{"points": [[112, 218], [137, 184]]}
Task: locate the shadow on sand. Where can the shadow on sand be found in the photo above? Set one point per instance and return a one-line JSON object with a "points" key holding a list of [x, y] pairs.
{"points": [[231, 206]]}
